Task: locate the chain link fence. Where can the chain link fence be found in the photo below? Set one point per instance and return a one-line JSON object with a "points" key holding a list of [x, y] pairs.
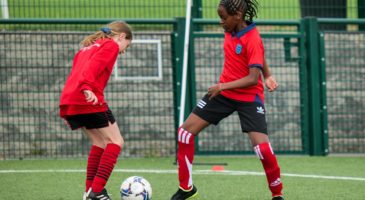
{"points": [[36, 57], [34, 65]]}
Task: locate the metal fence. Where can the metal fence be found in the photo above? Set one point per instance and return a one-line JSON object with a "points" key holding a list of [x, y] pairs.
{"points": [[345, 94], [278, 9], [34, 66], [318, 108]]}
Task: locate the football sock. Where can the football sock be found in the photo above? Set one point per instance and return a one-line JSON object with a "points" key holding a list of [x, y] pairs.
{"points": [[106, 166], [92, 165], [185, 157], [271, 167]]}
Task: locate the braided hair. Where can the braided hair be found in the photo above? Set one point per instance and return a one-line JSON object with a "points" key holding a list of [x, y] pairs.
{"points": [[247, 7]]}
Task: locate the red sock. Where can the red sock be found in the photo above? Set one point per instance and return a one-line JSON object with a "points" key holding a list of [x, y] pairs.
{"points": [[92, 165], [271, 167], [185, 157], [106, 166]]}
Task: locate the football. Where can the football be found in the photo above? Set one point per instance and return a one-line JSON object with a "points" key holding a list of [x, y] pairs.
{"points": [[136, 188]]}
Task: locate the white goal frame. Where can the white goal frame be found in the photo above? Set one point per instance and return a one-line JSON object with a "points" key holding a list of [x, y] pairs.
{"points": [[117, 77]]}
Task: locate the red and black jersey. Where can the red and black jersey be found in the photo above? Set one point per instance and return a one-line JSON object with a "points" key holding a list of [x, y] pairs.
{"points": [[242, 51], [91, 70]]}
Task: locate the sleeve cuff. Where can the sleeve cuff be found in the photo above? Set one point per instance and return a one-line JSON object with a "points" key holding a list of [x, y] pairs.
{"points": [[85, 87], [256, 65]]}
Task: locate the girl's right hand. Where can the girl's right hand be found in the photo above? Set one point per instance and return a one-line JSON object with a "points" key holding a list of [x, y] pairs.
{"points": [[214, 90], [90, 97]]}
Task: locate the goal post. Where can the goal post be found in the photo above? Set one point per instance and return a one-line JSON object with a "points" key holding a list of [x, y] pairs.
{"points": [[145, 69], [185, 62], [4, 9]]}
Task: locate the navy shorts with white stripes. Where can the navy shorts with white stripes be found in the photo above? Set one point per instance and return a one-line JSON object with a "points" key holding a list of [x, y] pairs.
{"points": [[251, 114]]}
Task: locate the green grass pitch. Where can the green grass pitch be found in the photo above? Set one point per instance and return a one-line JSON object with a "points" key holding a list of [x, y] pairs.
{"points": [[317, 178]]}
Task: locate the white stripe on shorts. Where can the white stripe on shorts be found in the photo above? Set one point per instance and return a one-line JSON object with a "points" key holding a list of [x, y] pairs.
{"points": [[201, 104]]}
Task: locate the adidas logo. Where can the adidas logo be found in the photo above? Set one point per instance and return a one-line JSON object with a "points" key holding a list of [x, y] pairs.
{"points": [[201, 104], [275, 183], [260, 110]]}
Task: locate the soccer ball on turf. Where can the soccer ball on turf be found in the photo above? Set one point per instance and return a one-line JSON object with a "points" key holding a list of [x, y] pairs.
{"points": [[136, 188]]}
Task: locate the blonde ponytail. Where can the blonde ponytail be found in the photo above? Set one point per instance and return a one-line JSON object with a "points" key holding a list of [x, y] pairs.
{"points": [[112, 29]]}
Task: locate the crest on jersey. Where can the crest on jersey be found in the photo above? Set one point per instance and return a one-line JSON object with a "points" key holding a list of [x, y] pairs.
{"points": [[238, 49]]}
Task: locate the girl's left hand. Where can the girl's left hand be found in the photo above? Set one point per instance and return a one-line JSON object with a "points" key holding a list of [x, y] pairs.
{"points": [[271, 83], [214, 90]]}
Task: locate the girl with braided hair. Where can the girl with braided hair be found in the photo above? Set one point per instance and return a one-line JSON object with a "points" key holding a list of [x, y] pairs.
{"points": [[240, 89], [82, 103]]}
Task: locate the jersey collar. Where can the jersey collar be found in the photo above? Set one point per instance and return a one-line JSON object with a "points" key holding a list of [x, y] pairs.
{"points": [[251, 25]]}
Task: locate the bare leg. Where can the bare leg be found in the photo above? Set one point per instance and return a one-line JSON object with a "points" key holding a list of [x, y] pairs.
{"points": [[258, 138], [194, 124], [103, 136]]}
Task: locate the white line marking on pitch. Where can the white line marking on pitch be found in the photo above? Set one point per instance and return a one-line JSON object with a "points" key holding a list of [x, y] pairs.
{"points": [[196, 172]]}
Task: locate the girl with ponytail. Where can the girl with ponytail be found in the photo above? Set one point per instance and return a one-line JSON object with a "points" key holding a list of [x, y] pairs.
{"points": [[83, 106]]}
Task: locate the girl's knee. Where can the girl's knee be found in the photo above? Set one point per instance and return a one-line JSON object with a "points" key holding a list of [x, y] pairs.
{"points": [[116, 140], [121, 142]]}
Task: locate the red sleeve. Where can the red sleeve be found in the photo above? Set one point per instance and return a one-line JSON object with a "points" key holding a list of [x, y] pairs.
{"points": [[106, 54], [255, 52]]}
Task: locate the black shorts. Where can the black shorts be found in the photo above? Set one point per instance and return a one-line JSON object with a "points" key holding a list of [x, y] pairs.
{"points": [[251, 114], [91, 120]]}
